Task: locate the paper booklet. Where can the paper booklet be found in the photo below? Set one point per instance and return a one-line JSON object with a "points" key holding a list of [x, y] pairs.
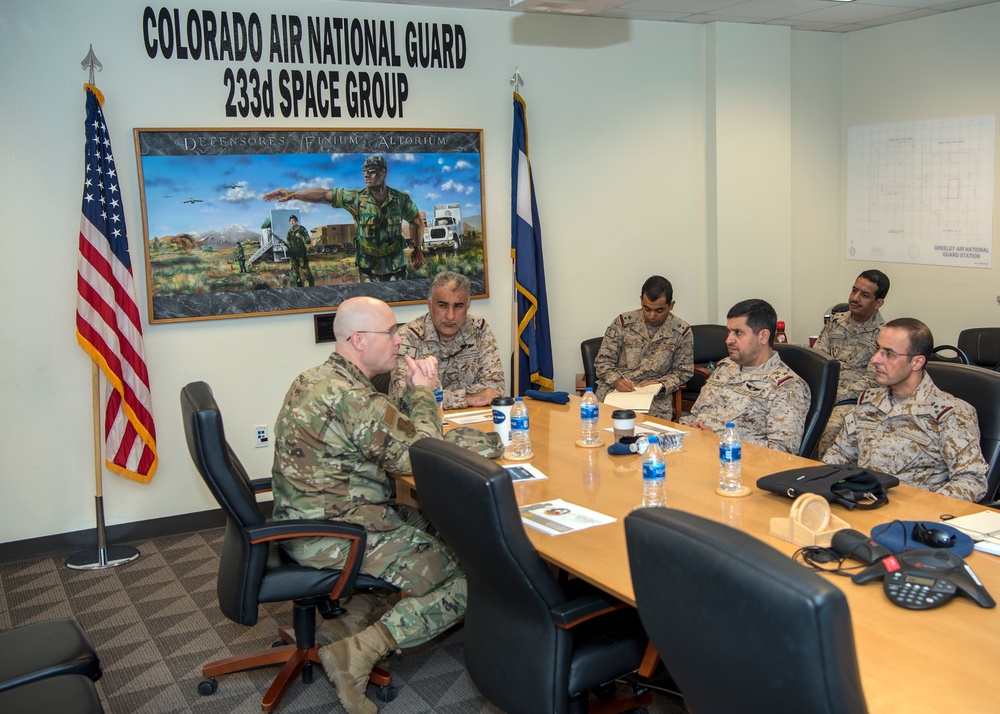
{"points": [[524, 472], [638, 401], [470, 417], [556, 517], [984, 528]]}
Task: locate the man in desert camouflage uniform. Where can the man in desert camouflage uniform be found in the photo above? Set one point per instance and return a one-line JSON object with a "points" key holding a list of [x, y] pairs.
{"points": [[850, 338], [907, 426], [297, 242], [378, 212], [335, 438], [753, 388], [647, 346], [467, 355]]}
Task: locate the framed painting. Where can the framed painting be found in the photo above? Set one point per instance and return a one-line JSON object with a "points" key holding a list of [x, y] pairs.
{"points": [[238, 223]]}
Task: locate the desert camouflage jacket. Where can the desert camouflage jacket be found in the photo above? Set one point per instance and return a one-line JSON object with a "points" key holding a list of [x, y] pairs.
{"points": [[768, 403], [852, 345], [929, 439]]}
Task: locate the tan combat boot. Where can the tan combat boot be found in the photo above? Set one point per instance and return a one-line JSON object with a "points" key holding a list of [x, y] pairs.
{"points": [[348, 663]]}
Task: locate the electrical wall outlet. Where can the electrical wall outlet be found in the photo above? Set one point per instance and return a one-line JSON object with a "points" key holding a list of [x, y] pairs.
{"points": [[260, 438]]}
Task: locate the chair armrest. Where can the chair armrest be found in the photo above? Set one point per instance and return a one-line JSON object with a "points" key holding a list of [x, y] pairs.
{"points": [[284, 530], [572, 612], [701, 372], [260, 485]]}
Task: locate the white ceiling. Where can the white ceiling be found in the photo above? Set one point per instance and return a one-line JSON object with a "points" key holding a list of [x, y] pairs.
{"points": [[822, 15]]}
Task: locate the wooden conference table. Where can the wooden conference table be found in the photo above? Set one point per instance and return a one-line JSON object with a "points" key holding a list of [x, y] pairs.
{"points": [[937, 660]]}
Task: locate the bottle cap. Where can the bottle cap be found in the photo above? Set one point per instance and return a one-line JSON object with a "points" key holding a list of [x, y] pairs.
{"points": [[781, 324], [730, 425]]}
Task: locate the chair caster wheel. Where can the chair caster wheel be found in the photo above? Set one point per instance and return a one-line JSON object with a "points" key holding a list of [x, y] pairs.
{"points": [[307, 673], [278, 643], [208, 686], [387, 693]]}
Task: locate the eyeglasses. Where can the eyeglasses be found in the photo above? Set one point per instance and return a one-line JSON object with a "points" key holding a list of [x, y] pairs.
{"points": [[892, 354], [388, 333]]}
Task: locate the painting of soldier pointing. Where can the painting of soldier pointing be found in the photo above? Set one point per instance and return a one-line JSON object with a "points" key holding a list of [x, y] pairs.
{"points": [[241, 223]]}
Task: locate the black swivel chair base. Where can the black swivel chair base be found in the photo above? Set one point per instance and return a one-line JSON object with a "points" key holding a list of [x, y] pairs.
{"points": [[297, 657]]}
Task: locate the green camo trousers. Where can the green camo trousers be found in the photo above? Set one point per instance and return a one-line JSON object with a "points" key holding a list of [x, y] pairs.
{"points": [[413, 560]]}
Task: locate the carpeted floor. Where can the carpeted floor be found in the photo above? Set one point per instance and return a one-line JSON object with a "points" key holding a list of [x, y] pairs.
{"points": [[155, 621]]}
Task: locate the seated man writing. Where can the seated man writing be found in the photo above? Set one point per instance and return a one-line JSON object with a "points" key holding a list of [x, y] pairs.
{"points": [[467, 354], [647, 346], [753, 388], [335, 438], [907, 426]]}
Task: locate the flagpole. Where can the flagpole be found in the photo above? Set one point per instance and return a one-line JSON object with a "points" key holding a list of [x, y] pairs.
{"points": [[516, 82], [102, 557]]}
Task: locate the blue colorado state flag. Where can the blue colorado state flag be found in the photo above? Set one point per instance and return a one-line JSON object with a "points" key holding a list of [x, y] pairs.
{"points": [[533, 350]]}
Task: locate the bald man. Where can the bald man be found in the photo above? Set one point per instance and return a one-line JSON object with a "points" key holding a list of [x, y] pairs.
{"points": [[335, 439]]}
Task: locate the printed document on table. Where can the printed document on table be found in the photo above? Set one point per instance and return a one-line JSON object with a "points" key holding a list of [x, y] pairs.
{"points": [[983, 527], [524, 472], [470, 417], [557, 517], [650, 427]]}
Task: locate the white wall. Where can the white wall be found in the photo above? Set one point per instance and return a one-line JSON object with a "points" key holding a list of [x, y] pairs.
{"points": [[618, 122], [943, 66]]}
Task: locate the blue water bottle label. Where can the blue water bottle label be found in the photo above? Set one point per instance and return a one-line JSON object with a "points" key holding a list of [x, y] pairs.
{"points": [[588, 411], [519, 423], [439, 395], [654, 472], [730, 452]]}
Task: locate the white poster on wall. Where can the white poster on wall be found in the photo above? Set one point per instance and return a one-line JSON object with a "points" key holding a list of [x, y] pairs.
{"points": [[922, 192]]}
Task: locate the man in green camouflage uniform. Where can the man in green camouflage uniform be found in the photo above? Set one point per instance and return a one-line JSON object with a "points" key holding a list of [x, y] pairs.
{"points": [[297, 242], [907, 426], [335, 439], [647, 346], [851, 339], [468, 357], [753, 388], [379, 212], [241, 256]]}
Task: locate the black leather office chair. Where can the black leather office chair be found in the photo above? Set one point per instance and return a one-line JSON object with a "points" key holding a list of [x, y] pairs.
{"points": [[381, 382], [531, 645], [980, 388], [709, 346], [820, 372], [839, 307], [589, 350], [982, 346], [740, 626], [45, 649], [253, 568], [948, 353], [65, 693]]}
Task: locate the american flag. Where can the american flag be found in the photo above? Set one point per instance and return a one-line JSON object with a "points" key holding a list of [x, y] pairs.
{"points": [[107, 315]]}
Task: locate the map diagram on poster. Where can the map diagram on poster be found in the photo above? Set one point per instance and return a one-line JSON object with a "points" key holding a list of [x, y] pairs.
{"points": [[922, 192]]}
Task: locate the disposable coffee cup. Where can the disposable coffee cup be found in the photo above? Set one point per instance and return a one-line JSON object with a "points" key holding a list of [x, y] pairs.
{"points": [[623, 421], [812, 340], [502, 407]]}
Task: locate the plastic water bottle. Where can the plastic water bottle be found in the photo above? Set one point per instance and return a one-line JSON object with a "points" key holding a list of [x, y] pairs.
{"points": [[666, 442], [588, 419], [520, 441], [654, 475], [439, 398], [730, 453]]}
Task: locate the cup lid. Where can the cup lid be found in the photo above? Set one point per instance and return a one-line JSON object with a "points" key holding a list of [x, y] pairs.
{"points": [[623, 414], [502, 401]]}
